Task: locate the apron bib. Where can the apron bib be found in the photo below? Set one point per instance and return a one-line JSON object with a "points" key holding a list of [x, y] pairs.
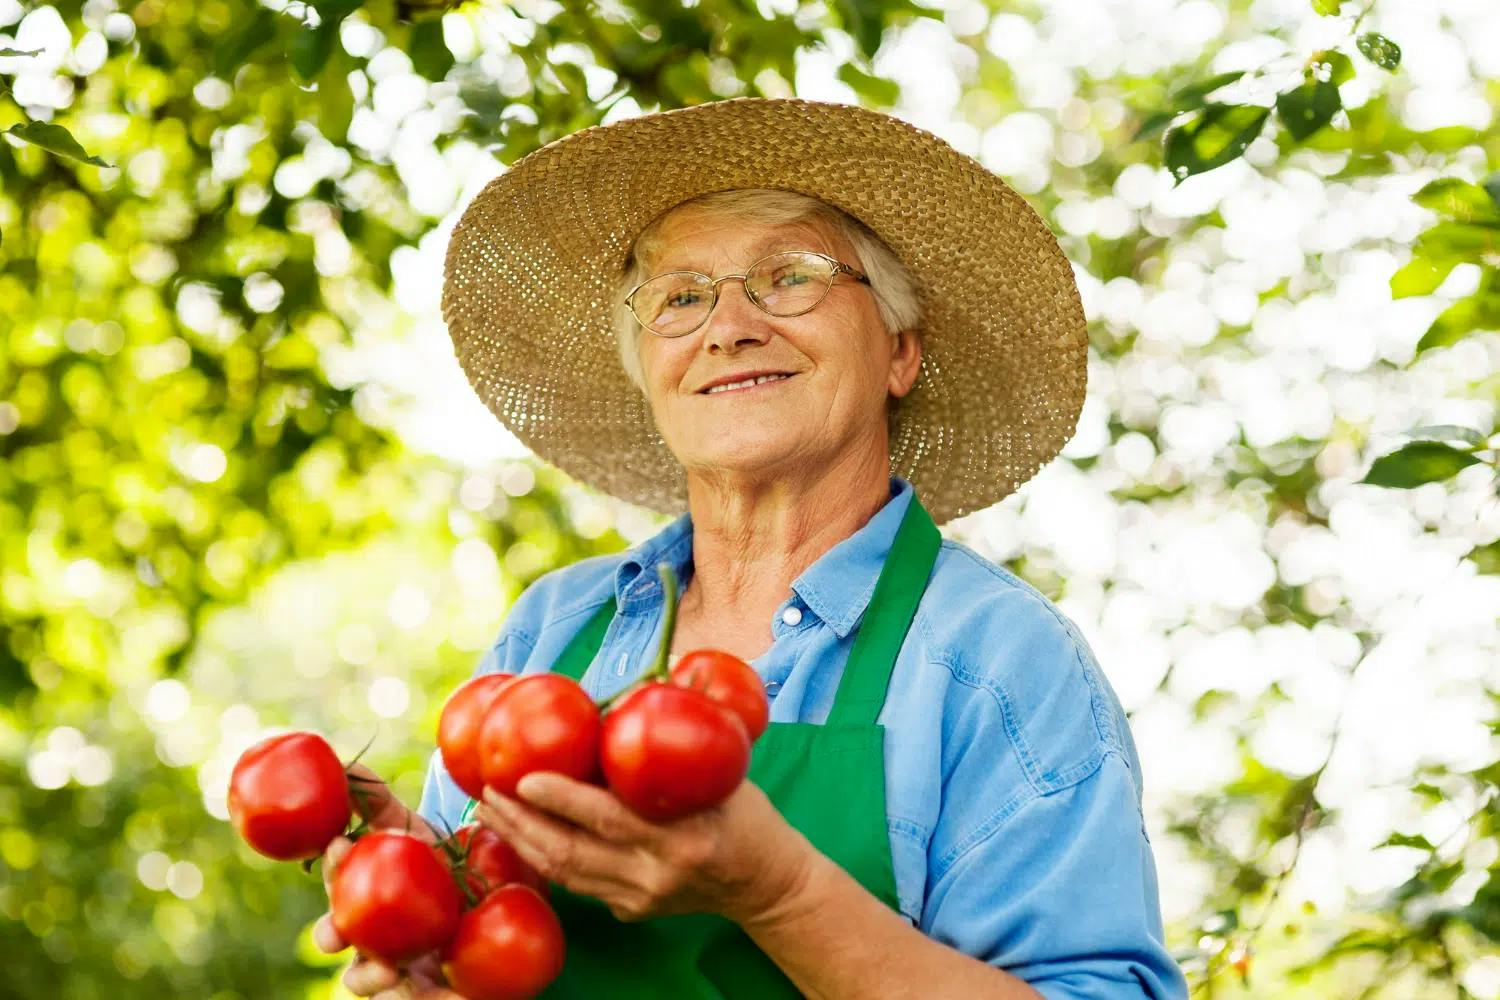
{"points": [[827, 780]]}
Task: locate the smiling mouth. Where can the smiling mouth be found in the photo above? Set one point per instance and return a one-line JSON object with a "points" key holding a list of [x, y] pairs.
{"points": [[733, 389]]}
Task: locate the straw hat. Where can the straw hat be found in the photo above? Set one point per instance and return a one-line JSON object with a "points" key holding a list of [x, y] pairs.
{"points": [[530, 275]]}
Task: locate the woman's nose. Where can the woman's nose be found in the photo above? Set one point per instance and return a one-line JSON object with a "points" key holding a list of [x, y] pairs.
{"points": [[735, 320]]}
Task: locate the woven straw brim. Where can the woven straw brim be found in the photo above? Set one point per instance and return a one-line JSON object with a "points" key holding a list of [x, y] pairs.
{"points": [[532, 265]]}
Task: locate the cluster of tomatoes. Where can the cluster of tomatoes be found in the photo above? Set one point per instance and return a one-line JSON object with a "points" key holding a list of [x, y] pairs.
{"points": [[675, 743], [395, 896], [667, 747]]}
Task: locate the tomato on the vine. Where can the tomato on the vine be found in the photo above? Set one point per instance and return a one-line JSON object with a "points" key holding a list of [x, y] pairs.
{"points": [[490, 862], [540, 722], [394, 898], [668, 751], [509, 947], [728, 680], [458, 729], [288, 796]]}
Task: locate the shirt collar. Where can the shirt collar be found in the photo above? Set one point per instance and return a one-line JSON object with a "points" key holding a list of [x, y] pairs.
{"points": [[837, 587]]}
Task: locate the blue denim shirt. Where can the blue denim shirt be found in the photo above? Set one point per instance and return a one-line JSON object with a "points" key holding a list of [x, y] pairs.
{"points": [[1012, 782]]}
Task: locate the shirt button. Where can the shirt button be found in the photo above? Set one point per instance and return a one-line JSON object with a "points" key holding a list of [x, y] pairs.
{"points": [[772, 687], [792, 615]]}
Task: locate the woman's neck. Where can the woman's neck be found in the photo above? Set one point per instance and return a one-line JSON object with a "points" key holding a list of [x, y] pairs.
{"points": [[751, 540]]}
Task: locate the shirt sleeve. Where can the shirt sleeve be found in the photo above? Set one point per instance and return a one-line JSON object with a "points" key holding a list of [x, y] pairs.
{"points": [[1063, 894], [443, 802]]}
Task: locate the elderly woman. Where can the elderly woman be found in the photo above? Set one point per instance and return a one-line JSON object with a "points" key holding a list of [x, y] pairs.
{"points": [[833, 328]]}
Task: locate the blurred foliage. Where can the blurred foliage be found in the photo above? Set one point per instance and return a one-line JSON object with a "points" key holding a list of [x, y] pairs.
{"points": [[200, 525]]}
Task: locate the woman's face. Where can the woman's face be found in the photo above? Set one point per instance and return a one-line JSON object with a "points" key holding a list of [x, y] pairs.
{"points": [[843, 364]]}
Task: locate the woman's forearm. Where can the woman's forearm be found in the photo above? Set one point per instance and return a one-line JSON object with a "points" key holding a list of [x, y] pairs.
{"points": [[835, 940]]}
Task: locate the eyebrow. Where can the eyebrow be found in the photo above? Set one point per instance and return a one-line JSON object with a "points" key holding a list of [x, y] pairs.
{"points": [[756, 252]]}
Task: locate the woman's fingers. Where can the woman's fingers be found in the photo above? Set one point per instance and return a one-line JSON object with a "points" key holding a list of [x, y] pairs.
{"points": [[367, 977], [327, 937], [332, 857]]}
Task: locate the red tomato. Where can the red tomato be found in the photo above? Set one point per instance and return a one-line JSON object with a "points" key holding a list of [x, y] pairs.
{"points": [[728, 680], [393, 897], [458, 729], [508, 947], [668, 751], [491, 862], [540, 722], [288, 797]]}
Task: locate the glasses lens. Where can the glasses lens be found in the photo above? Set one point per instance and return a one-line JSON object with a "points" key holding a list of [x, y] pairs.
{"points": [[786, 284], [673, 304]]}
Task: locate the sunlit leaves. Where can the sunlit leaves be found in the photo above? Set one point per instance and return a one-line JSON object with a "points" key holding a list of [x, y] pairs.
{"points": [[54, 138], [1211, 137], [1418, 463], [1380, 50]]}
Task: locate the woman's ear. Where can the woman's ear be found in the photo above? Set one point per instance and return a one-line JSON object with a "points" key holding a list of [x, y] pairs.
{"points": [[906, 361]]}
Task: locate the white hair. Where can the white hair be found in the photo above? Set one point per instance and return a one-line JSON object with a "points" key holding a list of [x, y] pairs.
{"points": [[892, 284]]}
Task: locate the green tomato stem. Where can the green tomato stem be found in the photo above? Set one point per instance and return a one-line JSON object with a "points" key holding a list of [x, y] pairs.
{"points": [[669, 586]]}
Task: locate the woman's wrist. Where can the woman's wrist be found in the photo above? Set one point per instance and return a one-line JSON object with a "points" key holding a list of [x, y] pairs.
{"points": [[786, 889]]}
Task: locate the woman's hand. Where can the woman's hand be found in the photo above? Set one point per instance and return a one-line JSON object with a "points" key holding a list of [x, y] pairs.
{"points": [[369, 977], [739, 859]]}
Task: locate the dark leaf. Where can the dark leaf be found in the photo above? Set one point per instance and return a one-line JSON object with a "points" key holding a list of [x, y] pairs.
{"points": [[1185, 98], [244, 42], [1305, 109], [862, 20], [1213, 136], [429, 53], [1418, 463], [1406, 840], [1380, 50], [55, 139], [311, 48]]}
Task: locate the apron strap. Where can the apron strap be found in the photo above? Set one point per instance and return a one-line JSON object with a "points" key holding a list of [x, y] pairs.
{"points": [[586, 644], [887, 619]]}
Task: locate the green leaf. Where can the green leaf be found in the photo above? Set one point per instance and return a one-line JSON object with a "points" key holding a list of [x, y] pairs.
{"points": [[1380, 50], [1492, 188], [1421, 276], [1477, 312], [1448, 432], [1327, 8], [1416, 464], [1464, 240], [1431, 793], [1458, 199], [19, 53], [877, 90], [1185, 98], [429, 53], [55, 139], [1406, 840], [1212, 137], [1305, 109], [1340, 66]]}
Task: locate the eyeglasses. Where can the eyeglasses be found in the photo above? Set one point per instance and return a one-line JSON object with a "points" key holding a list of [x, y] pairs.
{"points": [[781, 284]]}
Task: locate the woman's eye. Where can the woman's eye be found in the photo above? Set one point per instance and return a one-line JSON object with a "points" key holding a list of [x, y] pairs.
{"points": [[682, 299], [787, 278]]}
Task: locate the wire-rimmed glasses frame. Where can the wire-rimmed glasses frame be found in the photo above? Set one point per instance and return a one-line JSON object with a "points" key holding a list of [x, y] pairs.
{"points": [[839, 267]]}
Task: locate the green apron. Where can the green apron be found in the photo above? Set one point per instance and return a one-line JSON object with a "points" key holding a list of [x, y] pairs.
{"points": [[828, 781]]}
